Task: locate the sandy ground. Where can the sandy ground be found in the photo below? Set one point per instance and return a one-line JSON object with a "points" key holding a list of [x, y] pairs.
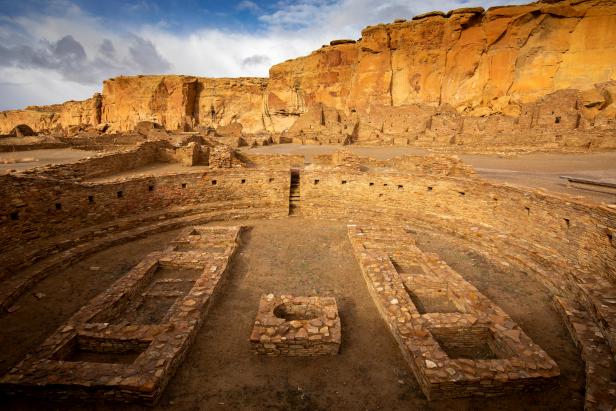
{"points": [[303, 257], [24, 160]]}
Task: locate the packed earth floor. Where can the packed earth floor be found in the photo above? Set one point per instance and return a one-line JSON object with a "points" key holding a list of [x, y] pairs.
{"points": [[301, 257]]}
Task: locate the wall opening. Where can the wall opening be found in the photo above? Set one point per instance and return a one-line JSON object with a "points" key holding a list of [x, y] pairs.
{"points": [[150, 188], [120, 194], [316, 182], [58, 206], [214, 182], [91, 199], [567, 222], [557, 120], [429, 188], [462, 193], [400, 187], [271, 179], [371, 184], [344, 181], [527, 210], [183, 185], [14, 215], [243, 181]]}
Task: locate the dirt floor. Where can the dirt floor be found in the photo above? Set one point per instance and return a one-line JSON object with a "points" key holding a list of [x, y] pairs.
{"points": [[537, 170], [302, 257]]}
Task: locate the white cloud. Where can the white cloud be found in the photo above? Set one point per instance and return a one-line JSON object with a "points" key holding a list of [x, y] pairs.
{"points": [[248, 5], [295, 28]]}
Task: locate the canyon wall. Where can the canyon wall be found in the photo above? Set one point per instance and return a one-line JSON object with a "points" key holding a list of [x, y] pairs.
{"points": [[182, 102], [541, 75], [468, 58], [45, 118]]}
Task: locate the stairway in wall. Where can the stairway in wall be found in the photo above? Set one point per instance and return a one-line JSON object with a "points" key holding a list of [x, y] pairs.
{"points": [[294, 194]]}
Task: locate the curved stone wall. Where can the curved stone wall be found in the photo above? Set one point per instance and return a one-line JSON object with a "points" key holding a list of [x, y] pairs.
{"points": [[56, 214]]}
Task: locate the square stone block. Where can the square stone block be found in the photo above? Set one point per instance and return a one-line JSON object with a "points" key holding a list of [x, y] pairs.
{"points": [[296, 326]]}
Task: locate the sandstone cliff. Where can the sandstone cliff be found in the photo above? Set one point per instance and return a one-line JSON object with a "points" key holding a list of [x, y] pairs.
{"points": [[182, 102], [468, 58], [41, 118], [541, 75]]}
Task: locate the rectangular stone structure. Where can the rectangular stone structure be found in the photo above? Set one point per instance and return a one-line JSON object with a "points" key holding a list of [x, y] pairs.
{"points": [[456, 341], [127, 343], [296, 326]]}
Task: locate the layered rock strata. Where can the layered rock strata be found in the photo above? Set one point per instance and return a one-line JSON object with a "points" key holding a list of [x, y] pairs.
{"points": [[539, 76]]}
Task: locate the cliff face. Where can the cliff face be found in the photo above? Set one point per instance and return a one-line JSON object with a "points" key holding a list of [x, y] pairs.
{"points": [[469, 59], [182, 102], [538, 74], [71, 113]]}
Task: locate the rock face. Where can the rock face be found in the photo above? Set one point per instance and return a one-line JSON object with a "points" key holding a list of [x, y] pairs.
{"points": [[468, 59], [41, 118], [183, 103], [537, 74]]}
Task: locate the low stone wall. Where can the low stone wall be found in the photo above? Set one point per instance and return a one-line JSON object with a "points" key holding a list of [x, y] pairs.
{"points": [[121, 347], [103, 164], [36, 210], [296, 326], [268, 161]]}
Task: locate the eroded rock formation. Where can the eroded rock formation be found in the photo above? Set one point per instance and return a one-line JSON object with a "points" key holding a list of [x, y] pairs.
{"points": [[537, 75]]}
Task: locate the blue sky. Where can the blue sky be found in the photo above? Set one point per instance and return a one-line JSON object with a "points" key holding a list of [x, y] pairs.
{"points": [[55, 50]]}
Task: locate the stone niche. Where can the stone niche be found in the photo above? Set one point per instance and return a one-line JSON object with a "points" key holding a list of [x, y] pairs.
{"points": [[296, 326]]}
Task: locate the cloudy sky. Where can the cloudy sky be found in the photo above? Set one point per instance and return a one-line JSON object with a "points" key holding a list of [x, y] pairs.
{"points": [[57, 50]]}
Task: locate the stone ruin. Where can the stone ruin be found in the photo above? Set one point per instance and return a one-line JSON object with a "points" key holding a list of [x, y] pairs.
{"points": [[169, 160], [296, 326], [126, 344]]}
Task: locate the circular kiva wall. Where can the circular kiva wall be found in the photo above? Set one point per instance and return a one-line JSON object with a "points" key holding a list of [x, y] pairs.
{"points": [[62, 213]]}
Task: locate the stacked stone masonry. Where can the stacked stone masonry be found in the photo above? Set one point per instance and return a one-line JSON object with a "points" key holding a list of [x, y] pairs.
{"points": [[455, 340], [296, 326], [565, 242], [128, 342]]}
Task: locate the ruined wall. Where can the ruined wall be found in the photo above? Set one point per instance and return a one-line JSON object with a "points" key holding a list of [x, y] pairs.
{"points": [[103, 164], [38, 209], [551, 228]]}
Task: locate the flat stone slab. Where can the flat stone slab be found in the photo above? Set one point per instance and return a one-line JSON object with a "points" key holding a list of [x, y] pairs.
{"points": [[296, 326]]}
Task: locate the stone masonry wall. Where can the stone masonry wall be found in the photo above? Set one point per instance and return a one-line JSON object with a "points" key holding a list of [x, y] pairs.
{"points": [[39, 208]]}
